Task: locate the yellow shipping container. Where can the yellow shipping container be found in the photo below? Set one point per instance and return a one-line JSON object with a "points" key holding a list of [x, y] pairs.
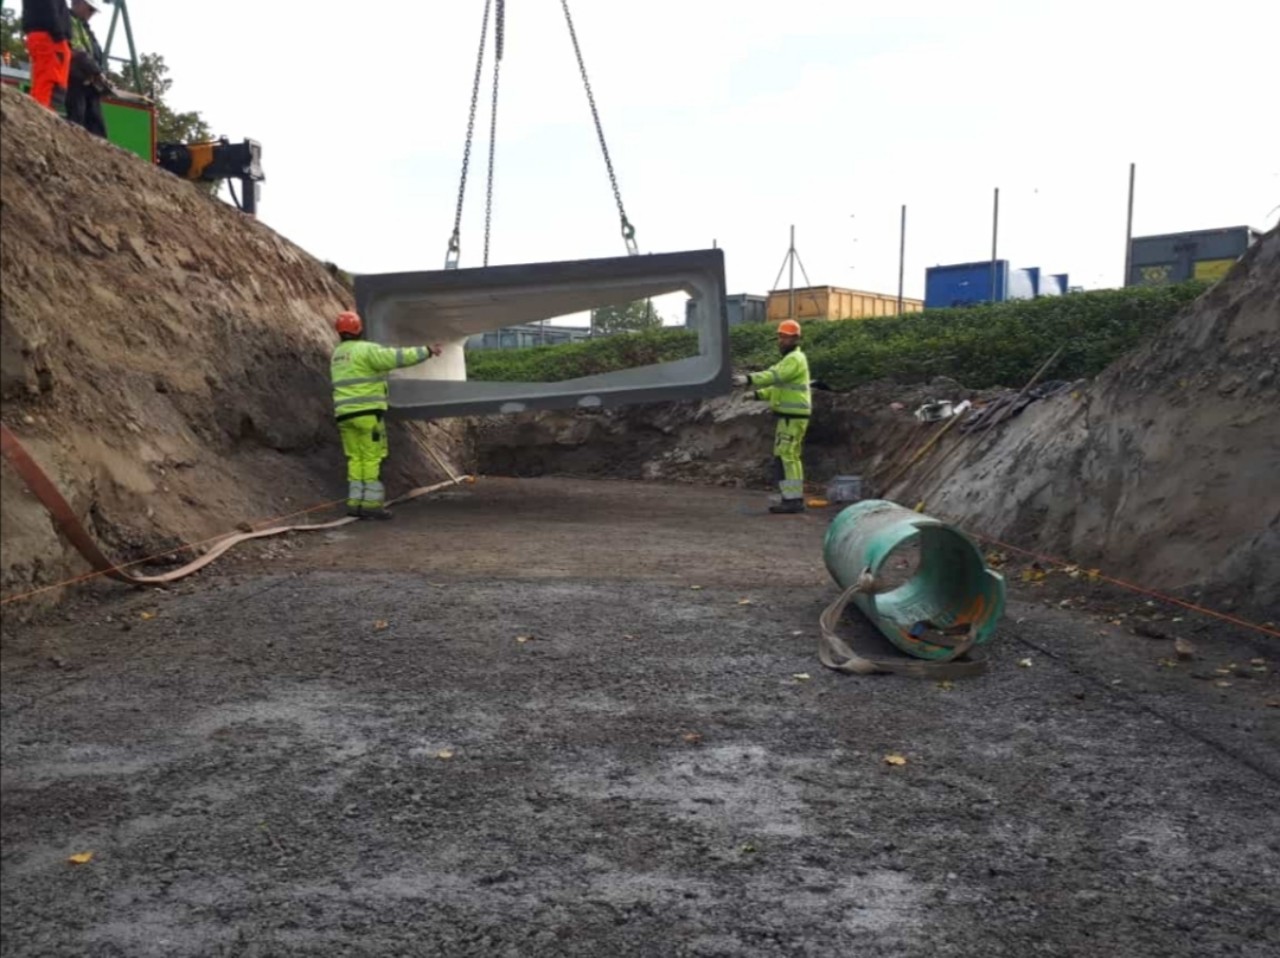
{"points": [[833, 302]]}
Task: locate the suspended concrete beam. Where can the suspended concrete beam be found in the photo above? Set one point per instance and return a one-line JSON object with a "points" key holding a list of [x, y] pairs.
{"points": [[448, 306]]}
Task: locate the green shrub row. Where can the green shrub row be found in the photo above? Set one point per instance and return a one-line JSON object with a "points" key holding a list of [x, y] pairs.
{"points": [[999, 344]]}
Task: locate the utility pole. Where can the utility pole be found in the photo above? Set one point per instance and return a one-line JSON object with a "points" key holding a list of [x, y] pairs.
{"points": [[791, 276], [902, 254], [995, 232], [1128, 231]]}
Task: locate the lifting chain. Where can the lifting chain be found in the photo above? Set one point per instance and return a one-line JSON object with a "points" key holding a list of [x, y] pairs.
{"points": [[628, 231], [455, 241], [499, 21]]}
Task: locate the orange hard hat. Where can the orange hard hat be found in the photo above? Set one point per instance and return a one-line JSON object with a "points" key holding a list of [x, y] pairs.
{"points": [[788, 327], [348, 322]]}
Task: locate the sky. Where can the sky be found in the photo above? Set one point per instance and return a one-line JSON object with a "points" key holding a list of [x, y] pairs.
{"points": [[732, 120]]}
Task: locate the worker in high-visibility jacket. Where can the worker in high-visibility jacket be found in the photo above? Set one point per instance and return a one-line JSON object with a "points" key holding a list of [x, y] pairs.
{"points": [[785, 386], [359, 370]]}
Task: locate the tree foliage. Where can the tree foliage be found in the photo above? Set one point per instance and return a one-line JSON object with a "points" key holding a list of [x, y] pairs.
{"points": [[154, 83], [628, 318], [12, 45]]}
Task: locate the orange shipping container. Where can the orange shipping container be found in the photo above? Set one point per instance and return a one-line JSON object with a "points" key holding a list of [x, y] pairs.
{"points": [[833, 302]]}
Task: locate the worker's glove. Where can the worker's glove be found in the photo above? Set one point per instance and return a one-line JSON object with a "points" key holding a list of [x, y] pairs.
{"points": [[741, 379], [435, 349]]}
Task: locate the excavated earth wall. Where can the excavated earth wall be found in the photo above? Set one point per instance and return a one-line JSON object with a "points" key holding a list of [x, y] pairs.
{"points": [[163, 357]]}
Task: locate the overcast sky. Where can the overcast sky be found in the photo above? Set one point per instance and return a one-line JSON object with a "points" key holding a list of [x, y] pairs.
{"points": [[729, 120]]}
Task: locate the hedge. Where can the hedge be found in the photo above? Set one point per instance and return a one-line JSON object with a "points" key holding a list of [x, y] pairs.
{"points": [[978, 346]]}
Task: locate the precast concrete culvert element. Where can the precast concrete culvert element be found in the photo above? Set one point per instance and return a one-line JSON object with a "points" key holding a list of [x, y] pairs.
{"points": [[922, 583], [448, 306]]}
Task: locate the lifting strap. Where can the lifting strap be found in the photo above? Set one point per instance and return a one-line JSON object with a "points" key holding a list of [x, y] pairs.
{"points": [[838, 655]]}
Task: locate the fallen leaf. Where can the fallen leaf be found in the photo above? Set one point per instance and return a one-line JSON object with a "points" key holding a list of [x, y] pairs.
{"points": [[693, 738], [696, 588], [1033, 575], [445, 754], [1222, 684], [744, 602], [1223, 671], [1273, 703], [1184, 649], [1257, 661], [522, 639], [1094, 575], [629, 637], [796, 633], [83, 858], [748, 849], [1024, 663], [146, 615], [946, 685], [801, 676], [895, 760], [1168, 664], [379, 625]]}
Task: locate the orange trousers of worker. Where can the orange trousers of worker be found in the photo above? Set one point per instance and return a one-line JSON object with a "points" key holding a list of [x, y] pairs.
{"points": [[50, 70]]}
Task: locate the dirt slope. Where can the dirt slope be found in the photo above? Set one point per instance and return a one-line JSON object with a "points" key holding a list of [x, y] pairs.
{"points": [[164, 357], [1167, 468]]}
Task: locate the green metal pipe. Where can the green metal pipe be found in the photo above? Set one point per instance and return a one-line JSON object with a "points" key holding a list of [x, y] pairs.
{"points": [[951, 591]]}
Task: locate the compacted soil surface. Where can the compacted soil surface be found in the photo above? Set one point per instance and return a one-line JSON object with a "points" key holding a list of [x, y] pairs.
{"points": [[550, 717]]}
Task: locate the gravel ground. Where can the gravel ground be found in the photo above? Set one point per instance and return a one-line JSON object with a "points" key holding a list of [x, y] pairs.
{"points": [[342, 746]]}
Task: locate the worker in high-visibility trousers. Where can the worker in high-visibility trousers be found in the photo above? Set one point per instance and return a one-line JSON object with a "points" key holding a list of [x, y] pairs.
{"points": [[785, 386], [47, 27], [359, 369]]}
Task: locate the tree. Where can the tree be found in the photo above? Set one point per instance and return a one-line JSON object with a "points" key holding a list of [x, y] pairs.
{"points": [[629, 318], [171, 127], [12, 46]]}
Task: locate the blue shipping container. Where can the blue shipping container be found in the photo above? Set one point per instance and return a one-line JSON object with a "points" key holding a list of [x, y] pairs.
{"points": [[965, 283], [968, 283]]}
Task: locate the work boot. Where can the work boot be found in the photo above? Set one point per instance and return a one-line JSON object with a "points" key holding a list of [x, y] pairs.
{"points": [[788, 507], [355, 512], [377, 513]]}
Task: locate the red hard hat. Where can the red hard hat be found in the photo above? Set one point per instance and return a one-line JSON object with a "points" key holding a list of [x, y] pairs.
{"points": [[788, 327], [348, 322]]}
